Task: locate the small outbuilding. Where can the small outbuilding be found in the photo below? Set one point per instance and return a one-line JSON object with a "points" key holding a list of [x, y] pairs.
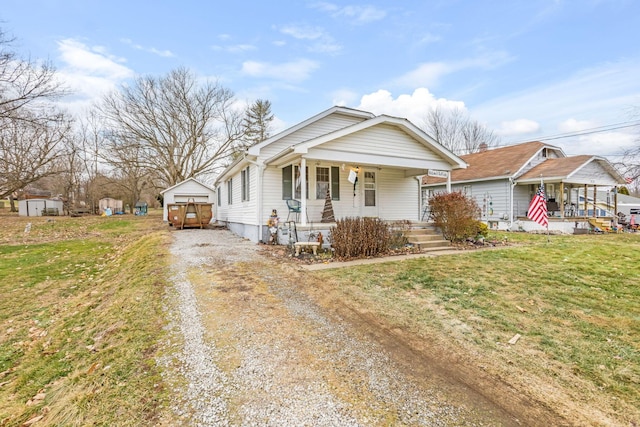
{"points": [[40, 207], [190, 190], [113, 205]]}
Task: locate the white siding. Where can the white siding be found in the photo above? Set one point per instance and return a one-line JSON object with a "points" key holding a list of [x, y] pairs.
{"points": [[592, 173], [383, 140], [322, 127], [398, 197], [489, 195]]}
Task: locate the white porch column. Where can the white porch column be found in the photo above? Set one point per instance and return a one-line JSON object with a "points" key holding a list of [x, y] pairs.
{"points": [[449, 182], [303, 191]]}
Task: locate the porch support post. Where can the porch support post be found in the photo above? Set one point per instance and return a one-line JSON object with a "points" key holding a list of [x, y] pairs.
{"points": [[586, 206], [449, 182], [303, 191], [561, 199], [615, 203], [595, 187]]}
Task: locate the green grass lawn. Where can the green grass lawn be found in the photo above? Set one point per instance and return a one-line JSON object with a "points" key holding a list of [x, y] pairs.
{"points": [[575, 301], [80, 320], [81, 317]]}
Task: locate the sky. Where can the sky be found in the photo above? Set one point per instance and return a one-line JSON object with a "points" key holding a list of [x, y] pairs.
{"points": [[528, 70]]}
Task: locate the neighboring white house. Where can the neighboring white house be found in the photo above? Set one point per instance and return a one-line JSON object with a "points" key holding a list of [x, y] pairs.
{"points": [[504, 180], [186, 191], [40, 207], [370, 165]]}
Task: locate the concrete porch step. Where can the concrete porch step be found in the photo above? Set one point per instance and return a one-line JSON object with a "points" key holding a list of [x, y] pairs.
{"points": [[426, 238]]}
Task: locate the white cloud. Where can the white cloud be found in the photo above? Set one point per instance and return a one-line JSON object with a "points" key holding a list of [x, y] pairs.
{"points": [[90, 72], [303, 32], [236, 48], [414, 107], [295, 71], [573, 125], [430, 73], [592, 97], [92, 61], [163, 53], [343, 97], [517, 127], [356, 14], [322, 41]]}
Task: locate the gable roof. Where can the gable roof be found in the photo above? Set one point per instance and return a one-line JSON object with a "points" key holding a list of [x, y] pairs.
{"points": [[254, 150], [566, 167], [404, 124], [503, 162], [511, 162], [185, 181]]}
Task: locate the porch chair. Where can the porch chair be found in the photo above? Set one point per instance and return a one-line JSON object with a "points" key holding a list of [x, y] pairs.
{"points": [[295, 207]]}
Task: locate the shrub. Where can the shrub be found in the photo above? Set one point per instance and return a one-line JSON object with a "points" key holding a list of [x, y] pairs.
{"points": [[482, 229], [455, 214], [360, 237]]}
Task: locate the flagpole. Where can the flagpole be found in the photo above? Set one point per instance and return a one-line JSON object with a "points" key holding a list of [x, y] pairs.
{"points": [[546, 211]]}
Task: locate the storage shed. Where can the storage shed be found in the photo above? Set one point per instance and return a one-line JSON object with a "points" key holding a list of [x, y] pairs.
{"points": [[40, 207], [109, 203], [185, 191]]}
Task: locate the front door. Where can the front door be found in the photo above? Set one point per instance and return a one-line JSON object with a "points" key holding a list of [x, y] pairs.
{"points": [[370, 194]]}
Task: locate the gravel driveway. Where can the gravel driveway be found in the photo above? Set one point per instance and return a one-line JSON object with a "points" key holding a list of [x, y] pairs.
{"points": [[249, 347]]}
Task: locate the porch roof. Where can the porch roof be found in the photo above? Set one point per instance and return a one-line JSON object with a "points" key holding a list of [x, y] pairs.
{"points": [[566, 170], [312, 149]]}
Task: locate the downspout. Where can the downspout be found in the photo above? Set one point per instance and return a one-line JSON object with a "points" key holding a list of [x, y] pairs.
{"points": [[420, 201], [513, 185], [303, 191], [259, 196]]}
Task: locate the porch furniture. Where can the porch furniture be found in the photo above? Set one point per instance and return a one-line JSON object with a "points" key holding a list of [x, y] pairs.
{"points": [[300, 245], [552, 206], [295, 207]]}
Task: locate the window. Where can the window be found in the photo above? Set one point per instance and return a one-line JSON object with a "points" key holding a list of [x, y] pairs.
{"points": [[291, 182], [328, 178], [230, 191], [369, 188], [246, 179], [322, 182]]}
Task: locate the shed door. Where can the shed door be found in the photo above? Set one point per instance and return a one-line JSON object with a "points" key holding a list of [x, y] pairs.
{"points": [[184, 198]]}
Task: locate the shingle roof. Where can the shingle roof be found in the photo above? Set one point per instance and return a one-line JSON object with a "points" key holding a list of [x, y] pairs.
{"points": [[556, 167], [504, 161]]}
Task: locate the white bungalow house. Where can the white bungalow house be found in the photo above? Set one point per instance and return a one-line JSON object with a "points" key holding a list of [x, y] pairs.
{"points": [[503, 181], [186, 191], [370, 166]]}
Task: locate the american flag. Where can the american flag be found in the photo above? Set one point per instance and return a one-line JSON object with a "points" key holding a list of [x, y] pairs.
{"points": [[629, 180], [538, 208]]}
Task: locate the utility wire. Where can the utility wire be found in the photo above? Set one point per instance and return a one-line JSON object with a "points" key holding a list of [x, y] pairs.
{"points": [[589, 131]]}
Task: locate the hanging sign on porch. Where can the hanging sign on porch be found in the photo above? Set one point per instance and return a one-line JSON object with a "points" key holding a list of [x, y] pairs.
{"points": [[437, 173]]}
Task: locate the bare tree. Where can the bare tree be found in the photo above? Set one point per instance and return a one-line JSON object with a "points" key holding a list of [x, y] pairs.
{"points": [[455, 130], [30, 150], [23, 83], [176, 126], [32, 132]]}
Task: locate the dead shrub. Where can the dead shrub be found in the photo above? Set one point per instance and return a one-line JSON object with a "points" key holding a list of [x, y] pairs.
{"points": [[455, 214], [360, 237]]}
